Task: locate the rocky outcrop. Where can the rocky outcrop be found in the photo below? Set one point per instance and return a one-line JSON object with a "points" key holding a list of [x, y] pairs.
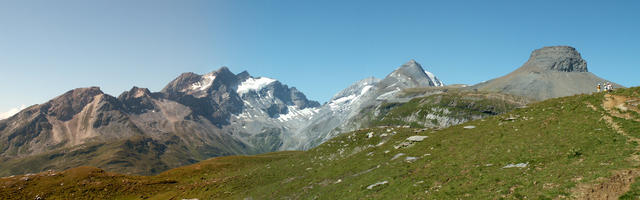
{"points": [[556, 58]]}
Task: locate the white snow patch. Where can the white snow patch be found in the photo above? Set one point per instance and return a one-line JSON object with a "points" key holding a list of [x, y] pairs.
{"points": [[12, 112], [297, 113], [434, 79], [204, 83], [344, 99], [254, 84], [365, 89], [337, 104]]}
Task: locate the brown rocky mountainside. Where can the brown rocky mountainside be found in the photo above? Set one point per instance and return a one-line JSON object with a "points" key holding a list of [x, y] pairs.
{"points": [[140, 132]]}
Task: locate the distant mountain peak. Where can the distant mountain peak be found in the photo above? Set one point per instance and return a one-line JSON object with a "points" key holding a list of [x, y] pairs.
{"points": [[556, 58], [65, 106], [411, 65], [136, 92], [409, 75]]}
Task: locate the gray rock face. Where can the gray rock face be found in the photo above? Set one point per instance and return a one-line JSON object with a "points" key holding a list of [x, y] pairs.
{"points": [[556, 58], [409, 75], [550, 72]]}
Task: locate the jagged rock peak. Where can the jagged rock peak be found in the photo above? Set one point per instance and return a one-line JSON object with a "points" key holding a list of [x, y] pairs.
{"points": [[71, 102], [556, 58], [413, 66], [135, 92], [224, 70], [409, 75], [80, 93], [244, 75]]}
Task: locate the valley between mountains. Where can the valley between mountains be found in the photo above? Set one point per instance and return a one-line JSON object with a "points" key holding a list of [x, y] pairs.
{"points": [[539, 132]]}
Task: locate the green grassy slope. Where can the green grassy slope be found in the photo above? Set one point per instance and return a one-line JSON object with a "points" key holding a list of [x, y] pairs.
{"points": [[454, 106], [566, 144], [137, 155]]}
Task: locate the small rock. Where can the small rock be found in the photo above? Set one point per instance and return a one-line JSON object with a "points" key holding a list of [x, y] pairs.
{"points": [[338, 181], [417, 138], [384, 135], [397, 156], [402, 145], [370, 187], [469, 127], [387, 151], [370, 135], [410, 159], [519, 165]]}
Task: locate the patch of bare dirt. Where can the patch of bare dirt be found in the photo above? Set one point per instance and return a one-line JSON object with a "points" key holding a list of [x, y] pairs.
{"points": [[621, 106], [620, 182]]}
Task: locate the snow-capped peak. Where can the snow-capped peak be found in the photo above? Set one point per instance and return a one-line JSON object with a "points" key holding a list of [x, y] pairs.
{"points": [[253, 84], [204, 83], [434, 79]]}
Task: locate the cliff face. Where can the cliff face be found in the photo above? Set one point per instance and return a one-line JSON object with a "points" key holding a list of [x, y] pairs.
{"points": [[556, 58]]}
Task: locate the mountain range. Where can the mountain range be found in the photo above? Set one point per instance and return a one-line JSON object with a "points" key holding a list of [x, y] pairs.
{"points": [[195, 117]]}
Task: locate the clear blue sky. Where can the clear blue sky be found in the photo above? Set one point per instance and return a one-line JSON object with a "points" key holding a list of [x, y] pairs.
{"points": [[49, 47]]}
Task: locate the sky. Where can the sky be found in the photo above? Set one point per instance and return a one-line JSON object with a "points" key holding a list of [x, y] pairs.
{"points": [[320, 47]]}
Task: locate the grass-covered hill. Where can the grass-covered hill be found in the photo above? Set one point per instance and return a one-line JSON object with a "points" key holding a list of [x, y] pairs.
{"points": [[576, 147], [444, 109]]}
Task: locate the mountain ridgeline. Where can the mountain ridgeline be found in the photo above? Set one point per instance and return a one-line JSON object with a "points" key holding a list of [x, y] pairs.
{"points": [[193, 118], [196, 117]]}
